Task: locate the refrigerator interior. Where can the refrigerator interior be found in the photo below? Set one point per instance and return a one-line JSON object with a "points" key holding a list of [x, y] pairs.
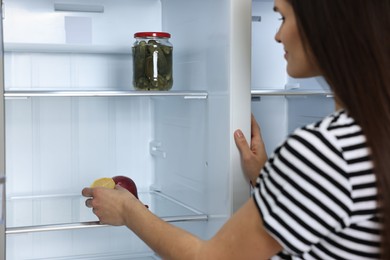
{"points": [[66, 124], [280, 103], [56, 144]]}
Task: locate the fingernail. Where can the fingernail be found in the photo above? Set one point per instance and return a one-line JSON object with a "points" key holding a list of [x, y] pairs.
{"points": [[239, 133]]}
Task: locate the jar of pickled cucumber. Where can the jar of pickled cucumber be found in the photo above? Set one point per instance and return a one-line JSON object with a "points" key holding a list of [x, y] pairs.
{"points": [[152, 61]]}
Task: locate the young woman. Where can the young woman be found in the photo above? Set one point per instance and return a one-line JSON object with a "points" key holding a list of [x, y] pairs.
{"points": [[324, 193]]}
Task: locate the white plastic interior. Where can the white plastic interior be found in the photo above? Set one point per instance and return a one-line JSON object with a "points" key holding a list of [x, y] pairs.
{"points": [[55, 146]]}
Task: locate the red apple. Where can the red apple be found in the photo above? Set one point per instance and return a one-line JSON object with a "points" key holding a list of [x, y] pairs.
{"points": [[127, 183]]}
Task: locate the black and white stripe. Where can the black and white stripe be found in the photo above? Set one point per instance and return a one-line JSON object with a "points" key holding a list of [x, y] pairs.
{"points": [[317, 193]]}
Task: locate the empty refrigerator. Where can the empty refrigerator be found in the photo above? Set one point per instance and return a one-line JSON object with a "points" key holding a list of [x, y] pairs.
{"points": [[72, 115]]}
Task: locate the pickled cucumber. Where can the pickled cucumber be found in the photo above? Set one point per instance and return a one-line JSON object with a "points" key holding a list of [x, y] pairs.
{"points": [[152, 66]]}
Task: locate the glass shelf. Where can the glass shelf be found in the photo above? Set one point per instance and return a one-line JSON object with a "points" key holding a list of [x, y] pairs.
{"points": [[102, 93], [285, 92], [114, 256], [66, 48], [67, 212]]}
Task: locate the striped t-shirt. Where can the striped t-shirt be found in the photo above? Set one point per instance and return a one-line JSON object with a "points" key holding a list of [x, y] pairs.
{"points": [[317, 193]]}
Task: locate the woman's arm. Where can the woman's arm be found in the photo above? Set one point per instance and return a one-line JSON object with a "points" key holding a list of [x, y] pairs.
{"points": [[242, 237]]}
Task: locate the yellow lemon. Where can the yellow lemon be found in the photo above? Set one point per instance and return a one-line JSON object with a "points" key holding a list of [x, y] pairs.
{"points": [[104, 182]]}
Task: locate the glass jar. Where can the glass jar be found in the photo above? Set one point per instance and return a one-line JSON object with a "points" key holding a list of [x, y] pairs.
{"points": [[152, 61]]}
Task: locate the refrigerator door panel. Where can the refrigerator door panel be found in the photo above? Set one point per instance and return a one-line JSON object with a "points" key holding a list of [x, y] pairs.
{"points": [[268, 65], [303, 110], [2, 145], [270, 113], [279, 115]]}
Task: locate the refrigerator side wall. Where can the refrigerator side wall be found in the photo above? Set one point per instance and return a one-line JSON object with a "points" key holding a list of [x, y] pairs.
{"points": [[2, 144], [215, 56]]}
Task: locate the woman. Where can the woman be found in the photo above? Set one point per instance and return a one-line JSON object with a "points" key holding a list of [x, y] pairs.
{"points": [[318, 196]]}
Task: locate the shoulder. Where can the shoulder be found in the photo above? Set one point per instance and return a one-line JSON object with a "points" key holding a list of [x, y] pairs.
{"points": [[304, 190], [331, 130], [336, 127], [333, 152], [338, 140], [321, 146]]}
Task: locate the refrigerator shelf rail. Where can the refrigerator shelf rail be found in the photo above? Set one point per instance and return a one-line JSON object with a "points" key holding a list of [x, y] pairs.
{"points": [[285, 92], [165, 207], [66, 48], [91, 224], [103, 93]]}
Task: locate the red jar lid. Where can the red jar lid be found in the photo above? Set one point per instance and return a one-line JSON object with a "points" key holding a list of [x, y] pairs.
{"points": [[152, 34]]}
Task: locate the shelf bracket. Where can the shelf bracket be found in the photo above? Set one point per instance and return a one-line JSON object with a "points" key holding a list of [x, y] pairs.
{"points": [[154, 149], [256, 18]]}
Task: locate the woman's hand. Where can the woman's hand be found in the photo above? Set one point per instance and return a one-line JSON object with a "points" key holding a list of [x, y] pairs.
{"points": [[109, 205], [253, 157]]}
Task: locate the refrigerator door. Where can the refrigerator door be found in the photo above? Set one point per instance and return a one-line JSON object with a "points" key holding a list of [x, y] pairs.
{"points": [[2, 155]]}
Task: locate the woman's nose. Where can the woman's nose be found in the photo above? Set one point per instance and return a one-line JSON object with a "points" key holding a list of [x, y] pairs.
{"points": [[277, 36]]}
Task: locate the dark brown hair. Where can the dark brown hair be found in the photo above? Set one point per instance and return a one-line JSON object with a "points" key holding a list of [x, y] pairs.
{"points": [[350, 42]]}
